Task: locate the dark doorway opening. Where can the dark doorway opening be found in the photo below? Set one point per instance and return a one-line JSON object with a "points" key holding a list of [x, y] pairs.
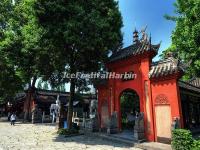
{"points": [[130, 108]]}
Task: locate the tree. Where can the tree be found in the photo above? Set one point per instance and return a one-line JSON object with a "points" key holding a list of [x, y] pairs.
{"points": [[10, 80], [39, 85], [45, 86], [62, 88], [21, 43], [81, 32], [186, 36]]}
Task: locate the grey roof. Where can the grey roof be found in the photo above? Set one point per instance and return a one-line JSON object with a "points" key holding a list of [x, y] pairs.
{"points": [[195, 82], [189, 86], [138, 48], [165, 67], [51, 92]]}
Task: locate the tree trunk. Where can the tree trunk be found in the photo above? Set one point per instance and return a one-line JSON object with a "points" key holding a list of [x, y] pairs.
{"points": [[70, 107], [29, 95], [34, 81]]}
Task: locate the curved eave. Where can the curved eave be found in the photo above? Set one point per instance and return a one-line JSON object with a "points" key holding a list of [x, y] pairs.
{"points": [[188, 86], [142, 49]]}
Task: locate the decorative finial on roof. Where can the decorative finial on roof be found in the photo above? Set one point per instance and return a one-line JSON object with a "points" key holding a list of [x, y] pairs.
{"points": [[150, 38], [144, 35], [135, 36], [150, 41]]}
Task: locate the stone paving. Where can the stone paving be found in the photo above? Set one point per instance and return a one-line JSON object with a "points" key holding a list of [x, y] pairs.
{"points": [[44, 137]]}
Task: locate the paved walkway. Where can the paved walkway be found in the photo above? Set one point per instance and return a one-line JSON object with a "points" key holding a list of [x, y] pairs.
{"points": [[44, 137]]}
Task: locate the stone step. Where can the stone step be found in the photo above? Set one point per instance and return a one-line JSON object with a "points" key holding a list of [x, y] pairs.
{"points": [[142, 144], [114, 138], [153, 146]]}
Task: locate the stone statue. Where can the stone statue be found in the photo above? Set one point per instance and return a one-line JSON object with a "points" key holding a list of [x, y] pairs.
{"points": [[36, 114], [92, 124], [55, 109], [139, 127], [113, 124], [93, 109], [175, 123]]}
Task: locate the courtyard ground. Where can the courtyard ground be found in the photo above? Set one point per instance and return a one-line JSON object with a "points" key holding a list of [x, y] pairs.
{"points": [[44, 137]]}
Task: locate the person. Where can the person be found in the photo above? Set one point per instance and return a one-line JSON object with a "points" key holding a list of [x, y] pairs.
{"points": [[9, 114], [13, 119]]}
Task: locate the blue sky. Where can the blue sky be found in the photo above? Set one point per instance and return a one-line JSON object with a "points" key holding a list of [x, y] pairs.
{"points": [[139, 13]]}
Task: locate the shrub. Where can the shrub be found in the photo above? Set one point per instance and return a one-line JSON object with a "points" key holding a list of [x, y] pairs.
{"points": [[182, 139], [196, 145], [67, 131]]}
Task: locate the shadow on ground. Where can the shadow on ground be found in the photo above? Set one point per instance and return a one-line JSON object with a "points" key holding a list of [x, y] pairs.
{"points": [[89, 140], [80, 139]]}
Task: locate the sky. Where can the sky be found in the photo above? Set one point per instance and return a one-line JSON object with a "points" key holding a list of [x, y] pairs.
{"points": [[140, 13]]}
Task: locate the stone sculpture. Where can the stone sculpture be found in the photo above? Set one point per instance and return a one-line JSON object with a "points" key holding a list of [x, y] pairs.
{"points": [[139, 127]]}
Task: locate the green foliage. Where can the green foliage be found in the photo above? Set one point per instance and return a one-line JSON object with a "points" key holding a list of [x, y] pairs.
{"points": [[196, 145], [21, 42], [49, 38], [10, 80], [80, 31], [82, 85], [39, 85], [172, 49], [182, 140], [23, 57], [80, 34], [67, 131], [129, 102], [186, 36], [78, 97], [45, 86], [10, 83], [60, 87]]}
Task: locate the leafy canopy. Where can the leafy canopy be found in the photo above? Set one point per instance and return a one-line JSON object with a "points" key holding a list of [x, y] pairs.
{"points": [[10, 80], [81, 33], [186, 36]]}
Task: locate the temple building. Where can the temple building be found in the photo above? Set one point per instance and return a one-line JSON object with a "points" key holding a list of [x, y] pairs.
{"points": [[156, 92], [39, 103]]}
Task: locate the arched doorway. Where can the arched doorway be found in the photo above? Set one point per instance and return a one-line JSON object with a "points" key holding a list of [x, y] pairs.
{"points": [[130, 107]]}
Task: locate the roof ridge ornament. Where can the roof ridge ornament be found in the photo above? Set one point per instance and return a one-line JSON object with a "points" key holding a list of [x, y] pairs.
{"points": [[144, 35], [135, 36]]}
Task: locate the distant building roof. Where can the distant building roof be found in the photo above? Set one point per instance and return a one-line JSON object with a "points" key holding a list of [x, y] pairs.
{"points": [[195, 82], [50, 96], [188, 85]]}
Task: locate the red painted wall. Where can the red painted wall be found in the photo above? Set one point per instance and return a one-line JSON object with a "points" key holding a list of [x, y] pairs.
{"points": [[170, 89], [144, 87], [115, 87]]}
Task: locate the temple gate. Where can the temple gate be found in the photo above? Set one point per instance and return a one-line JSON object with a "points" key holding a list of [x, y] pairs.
{"points": [[156, 84]]}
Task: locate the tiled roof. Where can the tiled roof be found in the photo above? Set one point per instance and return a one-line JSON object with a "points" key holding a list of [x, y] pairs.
{"points": [[51, 96], [165, 67], [189, 86], [195, 82], [135, 49]]}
